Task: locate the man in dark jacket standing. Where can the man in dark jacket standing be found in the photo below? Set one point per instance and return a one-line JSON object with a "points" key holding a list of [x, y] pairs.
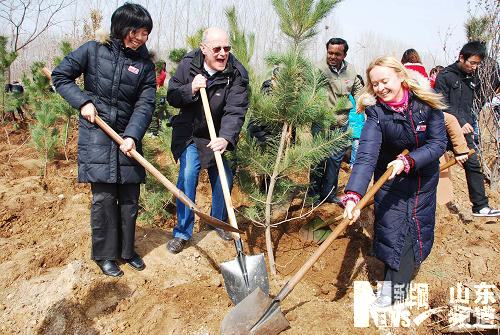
{"points": [[226, 82], [459, 84]]}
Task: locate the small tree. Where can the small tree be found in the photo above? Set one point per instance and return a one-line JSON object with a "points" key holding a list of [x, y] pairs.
{"points": [[60, 105], [298, 99], [6, 58], [193, 41], [44, 133], [243, 45]]}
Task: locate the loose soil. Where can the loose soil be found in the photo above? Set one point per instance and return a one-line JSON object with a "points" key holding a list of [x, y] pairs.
{"points": [[49, 285]]}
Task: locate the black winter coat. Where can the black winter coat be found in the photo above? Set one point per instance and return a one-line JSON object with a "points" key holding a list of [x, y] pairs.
{"points": [[227, 93], [406, 204], [459, 90], [121, 84]]}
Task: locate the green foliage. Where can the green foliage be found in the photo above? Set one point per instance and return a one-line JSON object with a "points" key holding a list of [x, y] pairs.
{"points": [[155, 198], [194, 41], [65, 48], [176, 55], [44, 133], [479, 28], [6, 58], [37, 86], [243, 45], [299, 18], [271, 174], [299, 87]]}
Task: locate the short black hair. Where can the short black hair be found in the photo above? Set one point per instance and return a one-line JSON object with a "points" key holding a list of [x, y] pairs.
{"points": [[130, 17], [338, 40], [474, 48]]}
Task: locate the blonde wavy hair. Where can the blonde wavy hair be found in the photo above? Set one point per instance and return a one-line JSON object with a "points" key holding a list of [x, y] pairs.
{"points": [[411, 81]]}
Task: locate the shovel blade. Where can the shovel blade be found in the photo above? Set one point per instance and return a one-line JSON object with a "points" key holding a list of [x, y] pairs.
{"points": [[216, 222], [242, 318], [239, 286]]}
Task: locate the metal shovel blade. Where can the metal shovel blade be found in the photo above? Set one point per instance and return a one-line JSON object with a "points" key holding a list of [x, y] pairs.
{"points": [[243, 275], [242, 319]]}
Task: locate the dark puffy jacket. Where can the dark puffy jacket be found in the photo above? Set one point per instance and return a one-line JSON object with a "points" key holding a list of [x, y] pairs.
{"points": [[406, 204], [121, 84], [227, 93], [458, 89]]}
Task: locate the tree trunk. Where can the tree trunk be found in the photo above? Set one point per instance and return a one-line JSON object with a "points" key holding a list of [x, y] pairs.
{"points": [[269, 199]]}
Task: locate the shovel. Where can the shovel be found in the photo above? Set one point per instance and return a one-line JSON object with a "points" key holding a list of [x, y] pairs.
{"points": [[157, 174], [258, 313], [308, 231], [244, 274], [162, 179]]}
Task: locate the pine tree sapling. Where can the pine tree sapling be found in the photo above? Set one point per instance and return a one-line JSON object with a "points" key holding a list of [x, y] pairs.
{"points": [[6, 58], [45, 134], [298, 99]]}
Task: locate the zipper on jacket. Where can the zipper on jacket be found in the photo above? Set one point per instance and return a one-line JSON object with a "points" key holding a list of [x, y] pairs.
{"points": [[420, 247]]}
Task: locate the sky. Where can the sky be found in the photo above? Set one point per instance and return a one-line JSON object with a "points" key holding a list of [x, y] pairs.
{"points": [[424, 25], [371, 27]]}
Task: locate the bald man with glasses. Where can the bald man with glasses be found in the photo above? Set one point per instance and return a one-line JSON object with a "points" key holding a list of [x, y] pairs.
{"points": [[213, 67]]}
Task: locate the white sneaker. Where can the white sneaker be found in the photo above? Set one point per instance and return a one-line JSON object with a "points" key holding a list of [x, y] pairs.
{"points": [[487, 212], [381, 303]]}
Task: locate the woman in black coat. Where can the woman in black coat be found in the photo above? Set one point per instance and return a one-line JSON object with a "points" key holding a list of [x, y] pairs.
{"points": [[120, 87], [400, 115]]}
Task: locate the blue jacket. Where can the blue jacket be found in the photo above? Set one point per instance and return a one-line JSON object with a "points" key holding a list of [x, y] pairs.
{"points": [[406, 204], [356, 120]]}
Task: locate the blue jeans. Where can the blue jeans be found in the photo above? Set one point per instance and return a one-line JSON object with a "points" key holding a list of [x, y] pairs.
{"points": [[187, 182]]}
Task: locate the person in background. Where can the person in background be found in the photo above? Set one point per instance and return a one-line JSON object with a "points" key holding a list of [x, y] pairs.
{"points": [[433, 74], [119, 87], [356, 123], [400, 115], [161, 74], [343, 80], [411, 60], [459, 84]]}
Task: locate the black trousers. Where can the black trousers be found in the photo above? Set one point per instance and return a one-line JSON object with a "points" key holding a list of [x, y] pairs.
{"points": [[112, 218], [406, 271], [475, 178]]}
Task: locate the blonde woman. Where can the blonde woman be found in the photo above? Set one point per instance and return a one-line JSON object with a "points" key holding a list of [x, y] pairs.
{"points": [[400, 115]]}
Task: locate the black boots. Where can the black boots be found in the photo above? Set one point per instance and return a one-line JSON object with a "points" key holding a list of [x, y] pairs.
{"points": [[109, 268]]}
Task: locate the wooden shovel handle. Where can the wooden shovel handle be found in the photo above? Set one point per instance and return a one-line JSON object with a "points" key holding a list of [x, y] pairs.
{"points": [[220, 164], [442, 167], [453, 161], [335, 233], [148, 166]]}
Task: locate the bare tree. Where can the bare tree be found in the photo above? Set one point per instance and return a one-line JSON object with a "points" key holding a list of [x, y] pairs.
{"points": [[30, 18], [485, 28]]}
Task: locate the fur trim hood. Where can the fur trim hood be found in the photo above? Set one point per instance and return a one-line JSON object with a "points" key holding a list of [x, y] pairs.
{"points": [[104, 37]]}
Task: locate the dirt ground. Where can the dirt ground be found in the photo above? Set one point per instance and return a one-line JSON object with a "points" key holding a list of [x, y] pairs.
{"points": [[49, 285]]}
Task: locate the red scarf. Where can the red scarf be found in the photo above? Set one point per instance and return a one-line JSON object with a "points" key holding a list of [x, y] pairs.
{"points": [[398, 106]]}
